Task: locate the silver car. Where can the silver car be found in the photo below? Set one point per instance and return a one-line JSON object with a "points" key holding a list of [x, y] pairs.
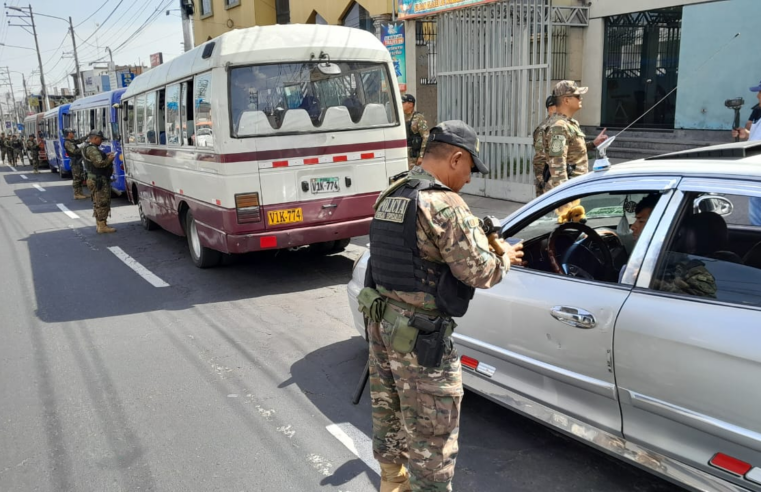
{"points": [[648, 348]]}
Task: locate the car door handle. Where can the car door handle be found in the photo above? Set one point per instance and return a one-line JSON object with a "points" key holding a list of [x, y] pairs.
{"points": [[578, 318]]}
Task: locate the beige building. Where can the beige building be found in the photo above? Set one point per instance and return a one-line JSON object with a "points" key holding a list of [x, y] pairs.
{"points": [[215, 17]]}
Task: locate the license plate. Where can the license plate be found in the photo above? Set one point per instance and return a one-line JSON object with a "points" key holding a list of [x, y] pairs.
{"points": [[288, 216], [325, 185]]}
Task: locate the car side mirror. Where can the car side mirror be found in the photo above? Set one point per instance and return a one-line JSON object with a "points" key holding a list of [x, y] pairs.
{"points": [[713, 203]]}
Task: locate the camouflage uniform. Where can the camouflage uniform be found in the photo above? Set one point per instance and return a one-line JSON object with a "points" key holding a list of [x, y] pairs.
{"points": [[100, 185], [77, 171], [34, 153], [3, 148], [540, 154], [682, 275], [416, 409], [417, 124], [566, 150], [17, 150]]}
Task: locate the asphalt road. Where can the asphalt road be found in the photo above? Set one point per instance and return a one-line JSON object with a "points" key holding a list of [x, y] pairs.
{"points": [[231, 379]]}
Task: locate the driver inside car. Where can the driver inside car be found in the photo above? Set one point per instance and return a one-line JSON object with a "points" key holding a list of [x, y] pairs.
{"points": [[642, 213]]}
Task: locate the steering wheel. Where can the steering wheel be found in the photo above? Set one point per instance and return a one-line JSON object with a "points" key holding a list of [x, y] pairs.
{"points": [[579, 249]]}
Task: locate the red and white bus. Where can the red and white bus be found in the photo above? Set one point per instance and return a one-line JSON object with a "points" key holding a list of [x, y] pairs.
{"points": [[263, 138]]}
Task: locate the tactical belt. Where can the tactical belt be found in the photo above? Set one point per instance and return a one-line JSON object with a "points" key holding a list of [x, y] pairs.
{"points": [[101, 172]]}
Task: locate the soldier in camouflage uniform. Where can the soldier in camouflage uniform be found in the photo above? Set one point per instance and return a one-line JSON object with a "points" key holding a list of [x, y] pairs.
{"points": [[77, 171], [99, 180], [33, 150], [540, 153], [421, 221], [3, 148], [564, 140], [17, 150], [417, 131]]}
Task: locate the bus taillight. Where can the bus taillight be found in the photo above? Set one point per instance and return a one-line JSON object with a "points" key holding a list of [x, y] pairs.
{"points": [[247, 207]]}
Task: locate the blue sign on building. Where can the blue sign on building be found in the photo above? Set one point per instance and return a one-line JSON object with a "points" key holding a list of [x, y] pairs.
{"points": [[127, 79]]}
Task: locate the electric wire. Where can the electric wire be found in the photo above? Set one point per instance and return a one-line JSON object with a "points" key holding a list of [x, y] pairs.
{"points": [[90, 16]]}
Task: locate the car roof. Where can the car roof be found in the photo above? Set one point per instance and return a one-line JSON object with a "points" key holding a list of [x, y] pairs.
{"points": [[736, 159]]}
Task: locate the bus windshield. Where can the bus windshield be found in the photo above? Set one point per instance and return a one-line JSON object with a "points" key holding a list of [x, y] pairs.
{"points": [[299, 98]]}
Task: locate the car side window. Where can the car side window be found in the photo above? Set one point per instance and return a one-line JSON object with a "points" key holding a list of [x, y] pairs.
{"points": [[589, 237], [714, 250]]}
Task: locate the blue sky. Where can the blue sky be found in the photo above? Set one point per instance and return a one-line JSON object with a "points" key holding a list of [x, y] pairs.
{"points": [[163, 34]]}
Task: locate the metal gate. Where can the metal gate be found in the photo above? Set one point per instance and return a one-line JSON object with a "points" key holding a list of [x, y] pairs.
{"points": [[493, 74]]}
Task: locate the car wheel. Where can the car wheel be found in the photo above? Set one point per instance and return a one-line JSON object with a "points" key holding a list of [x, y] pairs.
{"points": [[147, 223], [202, 257]]}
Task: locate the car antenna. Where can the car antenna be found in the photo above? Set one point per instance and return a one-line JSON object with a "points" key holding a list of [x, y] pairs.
{"points": [[602, 163]]}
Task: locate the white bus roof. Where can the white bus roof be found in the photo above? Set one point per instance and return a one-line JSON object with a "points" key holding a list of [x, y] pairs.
{"points": [[266, 44]]}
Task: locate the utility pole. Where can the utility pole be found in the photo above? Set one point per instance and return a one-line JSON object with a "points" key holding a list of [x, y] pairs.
{"points": [[186, 7], [26, 94], [29, 15], [13, 96], [79, 86]]}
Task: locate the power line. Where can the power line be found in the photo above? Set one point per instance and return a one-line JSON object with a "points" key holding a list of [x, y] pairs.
{"points": [[96, 51], [90, 16], [145, 24], [104, 22], [59, 47]]}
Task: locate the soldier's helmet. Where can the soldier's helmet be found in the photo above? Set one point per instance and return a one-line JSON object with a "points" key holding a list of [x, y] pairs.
{"points": [[96, 133], [66, 131], [568, 88]]}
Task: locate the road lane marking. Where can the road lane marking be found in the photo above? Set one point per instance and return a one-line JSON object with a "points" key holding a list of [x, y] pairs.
{"points": [[23, 177], [39, 187], [149, 276], [357, 442], [68, 212], [14, 169]]}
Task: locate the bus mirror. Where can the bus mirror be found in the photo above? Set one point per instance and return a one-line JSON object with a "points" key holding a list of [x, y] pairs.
{"points": [[116, 106], [329, 68]]}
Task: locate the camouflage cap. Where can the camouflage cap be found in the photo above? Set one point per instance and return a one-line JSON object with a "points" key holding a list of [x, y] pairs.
{"points": [[96, 133], [460, 134], [568, 88]]}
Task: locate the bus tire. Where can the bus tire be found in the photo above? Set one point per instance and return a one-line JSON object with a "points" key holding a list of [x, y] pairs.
{"points": [[201, 256], [147, 223], [341, 245]]}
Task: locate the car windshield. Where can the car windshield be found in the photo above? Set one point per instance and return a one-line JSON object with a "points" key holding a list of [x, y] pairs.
{"points": [[300, 98], [603, 210]]}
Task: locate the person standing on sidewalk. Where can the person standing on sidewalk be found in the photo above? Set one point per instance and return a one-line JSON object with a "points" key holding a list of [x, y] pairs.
{"points": [[423, 227], [33, 150], [540, 153], [564, 140], [752, 132], [77, 171], [417, 131]]}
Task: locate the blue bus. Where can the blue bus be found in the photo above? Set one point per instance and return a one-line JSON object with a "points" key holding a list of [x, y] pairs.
{"points": [[101, 112], [53, 124]]}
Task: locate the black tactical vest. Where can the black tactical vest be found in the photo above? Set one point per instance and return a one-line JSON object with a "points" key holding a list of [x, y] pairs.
{"points": [[96, 171], [414, 140], [395, 262]]}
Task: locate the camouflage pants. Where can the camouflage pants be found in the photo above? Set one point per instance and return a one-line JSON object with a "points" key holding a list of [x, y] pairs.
{"points": [[100, 187], [77, 175], [4, 156], [13, 156], [411, 162], [416, 411], [35, 161]]}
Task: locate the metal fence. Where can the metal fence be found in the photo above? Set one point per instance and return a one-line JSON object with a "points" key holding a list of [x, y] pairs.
{"points": [[426, 35], [494, 74]]}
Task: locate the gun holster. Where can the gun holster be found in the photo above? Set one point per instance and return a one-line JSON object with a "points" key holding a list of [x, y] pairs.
{"points": [[431, 340]]}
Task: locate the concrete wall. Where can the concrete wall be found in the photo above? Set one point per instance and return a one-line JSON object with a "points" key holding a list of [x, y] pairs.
{"points": [[247, 13], [728, 74]]}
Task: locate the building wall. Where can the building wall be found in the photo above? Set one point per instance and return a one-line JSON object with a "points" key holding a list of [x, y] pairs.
{"points": [[728, 74], [333, 11], [247, 13], [594, 44]]}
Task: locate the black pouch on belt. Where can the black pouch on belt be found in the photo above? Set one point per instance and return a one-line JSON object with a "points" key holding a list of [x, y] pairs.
{"points": [[430, 345]]}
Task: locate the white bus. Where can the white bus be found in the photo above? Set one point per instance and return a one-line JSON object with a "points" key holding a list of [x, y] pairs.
{"points": [[263, 138]]}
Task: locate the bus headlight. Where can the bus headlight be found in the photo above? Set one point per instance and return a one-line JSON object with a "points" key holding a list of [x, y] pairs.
{"points": [[247, 208]]}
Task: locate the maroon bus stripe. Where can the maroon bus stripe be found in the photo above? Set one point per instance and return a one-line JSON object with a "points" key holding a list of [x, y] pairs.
{"points": [[271, 155]]}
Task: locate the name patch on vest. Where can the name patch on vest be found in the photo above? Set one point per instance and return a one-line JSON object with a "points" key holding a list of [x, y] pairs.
{"points": [[392, 209]]}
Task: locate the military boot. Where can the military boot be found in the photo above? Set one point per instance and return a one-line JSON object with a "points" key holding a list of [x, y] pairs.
{"points": [[79, 196], [394, 478], [103, 228]]}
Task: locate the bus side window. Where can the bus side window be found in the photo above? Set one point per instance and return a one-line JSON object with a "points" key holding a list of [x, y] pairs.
{"points": [[173, 121], [150, 117], [131, 121], [140, 114], [204, 136], [186, 114], [161, 117]]}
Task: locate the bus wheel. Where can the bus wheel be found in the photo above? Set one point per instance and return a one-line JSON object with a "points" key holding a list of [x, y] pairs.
{"points": [[202, 257], [330, 247], [341, 245], [147, 223]]}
